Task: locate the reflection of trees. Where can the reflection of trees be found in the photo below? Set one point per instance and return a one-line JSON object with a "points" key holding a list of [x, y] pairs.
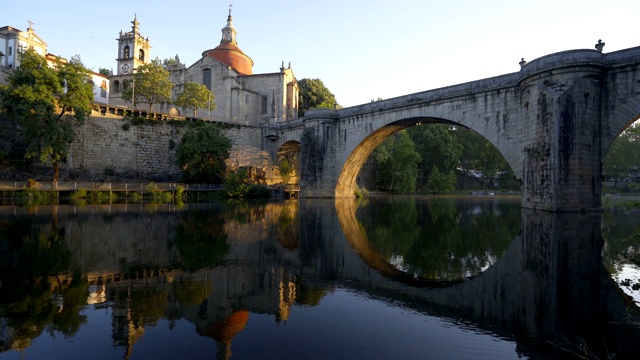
{"points": [[32, 296], [310, 294], [445, 242], [68, 319], [201, 240], [621, 234], [287, 230]]}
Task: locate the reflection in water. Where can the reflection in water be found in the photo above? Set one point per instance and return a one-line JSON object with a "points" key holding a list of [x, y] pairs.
{"points": [[439, 239], [494, 276]]}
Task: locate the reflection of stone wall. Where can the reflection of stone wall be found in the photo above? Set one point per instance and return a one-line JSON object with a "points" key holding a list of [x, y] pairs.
{"points": [[120, 241]]}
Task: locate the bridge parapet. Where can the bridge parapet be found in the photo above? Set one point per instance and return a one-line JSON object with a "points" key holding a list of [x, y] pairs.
{"points": [[564, 59]]}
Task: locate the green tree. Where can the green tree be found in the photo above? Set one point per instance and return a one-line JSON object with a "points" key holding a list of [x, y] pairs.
{"points": [[202, 153], [438, 149], [47, 102], [195, 96], [151, 85], [105, 72], [623, 156], [286, 171], [396, 163], [169, 62], [441, 181], [313, 94]]}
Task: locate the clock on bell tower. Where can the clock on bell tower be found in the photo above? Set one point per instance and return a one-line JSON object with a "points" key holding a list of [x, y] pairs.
{"points": [[133, 49]]}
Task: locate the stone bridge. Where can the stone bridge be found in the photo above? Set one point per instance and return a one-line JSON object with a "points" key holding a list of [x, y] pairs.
{"points": [[553, 121]]}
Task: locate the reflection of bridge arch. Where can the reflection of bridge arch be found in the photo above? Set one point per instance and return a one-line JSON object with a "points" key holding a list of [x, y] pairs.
{"points": [[358, 240], [549, 284]]}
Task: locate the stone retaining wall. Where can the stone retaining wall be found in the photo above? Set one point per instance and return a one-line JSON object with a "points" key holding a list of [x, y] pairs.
{"points": [[115, 146]]}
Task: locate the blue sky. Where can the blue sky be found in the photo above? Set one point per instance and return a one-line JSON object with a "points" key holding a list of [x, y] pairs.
{"points": [[360, 49]]}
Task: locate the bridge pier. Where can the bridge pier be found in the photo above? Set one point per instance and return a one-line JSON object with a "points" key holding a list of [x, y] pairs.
{"points": [[318, 164], [562, 152]]}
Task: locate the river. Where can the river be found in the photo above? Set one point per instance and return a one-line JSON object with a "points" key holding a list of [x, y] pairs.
{"points": [[388, 277]]}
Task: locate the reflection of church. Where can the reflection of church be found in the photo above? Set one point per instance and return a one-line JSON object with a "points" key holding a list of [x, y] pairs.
{"points": [[240, 96], [217, 301]]}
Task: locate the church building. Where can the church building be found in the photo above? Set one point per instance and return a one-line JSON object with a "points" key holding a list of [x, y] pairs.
{"points": [[241, 97]]}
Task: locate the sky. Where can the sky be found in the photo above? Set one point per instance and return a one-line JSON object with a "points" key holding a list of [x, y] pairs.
{"points": [[361, 49]]}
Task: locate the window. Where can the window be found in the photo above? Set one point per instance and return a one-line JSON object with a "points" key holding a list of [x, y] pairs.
{"points": [[141, 55], [206, 78], [116, 86], [10, 50], [126, 52], [263, 104], [103, 89]]}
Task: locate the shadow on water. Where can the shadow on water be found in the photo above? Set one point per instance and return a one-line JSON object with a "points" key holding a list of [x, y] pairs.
{"points": [[533, 278]]}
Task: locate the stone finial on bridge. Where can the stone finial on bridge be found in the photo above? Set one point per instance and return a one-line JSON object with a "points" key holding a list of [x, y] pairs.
{"points": [[599, 45], [522, 63]]}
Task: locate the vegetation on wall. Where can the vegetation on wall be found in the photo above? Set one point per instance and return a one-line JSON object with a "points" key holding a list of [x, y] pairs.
{"points": [[47, 101], [202, 153]]}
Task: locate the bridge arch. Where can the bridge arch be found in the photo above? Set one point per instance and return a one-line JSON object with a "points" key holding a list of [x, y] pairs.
{"points": [[346, 183], [553, 121]]}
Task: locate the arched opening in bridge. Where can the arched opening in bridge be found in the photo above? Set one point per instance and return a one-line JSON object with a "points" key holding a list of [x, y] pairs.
{"points": [[621, 165], [425, 155], [288, 159]]}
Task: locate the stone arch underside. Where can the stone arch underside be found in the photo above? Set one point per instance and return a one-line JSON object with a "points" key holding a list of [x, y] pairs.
{"points": [[388, 125], [290, 151], [621, 118]]}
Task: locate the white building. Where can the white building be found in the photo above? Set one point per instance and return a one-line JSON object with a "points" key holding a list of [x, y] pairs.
{"points": [[13, 42]]}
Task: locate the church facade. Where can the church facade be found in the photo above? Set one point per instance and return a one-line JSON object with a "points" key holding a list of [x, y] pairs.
{"points": [[241, 97]]}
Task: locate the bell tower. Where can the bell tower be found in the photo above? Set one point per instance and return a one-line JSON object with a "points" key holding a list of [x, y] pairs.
{"points": [[133, 49]]}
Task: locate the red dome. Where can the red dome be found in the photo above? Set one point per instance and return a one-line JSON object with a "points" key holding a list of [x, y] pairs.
{"points": [[231, 55]]}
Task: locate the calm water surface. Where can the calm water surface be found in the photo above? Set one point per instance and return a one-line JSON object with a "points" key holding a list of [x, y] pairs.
{"points": [[387, 278]]}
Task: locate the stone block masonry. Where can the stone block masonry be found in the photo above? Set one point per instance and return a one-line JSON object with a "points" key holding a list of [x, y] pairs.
{"points": [[115, 145]]}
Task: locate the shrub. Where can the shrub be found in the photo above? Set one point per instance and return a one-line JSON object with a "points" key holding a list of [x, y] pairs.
{"points": [[179, 193], [259, 191], [79, 194], [32, 184], [361, 192]]}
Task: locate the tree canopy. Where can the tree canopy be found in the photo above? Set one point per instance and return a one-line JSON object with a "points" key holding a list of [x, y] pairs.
{"points": [[440, 153], [313, 94], [151, 85], [623, 157], [396, 161], [47, 101], [195, 96], [104, 71], [202, 153]]}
